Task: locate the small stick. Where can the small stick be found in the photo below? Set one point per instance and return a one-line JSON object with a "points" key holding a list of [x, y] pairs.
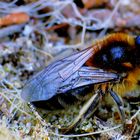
{"points": [[14, 18]]}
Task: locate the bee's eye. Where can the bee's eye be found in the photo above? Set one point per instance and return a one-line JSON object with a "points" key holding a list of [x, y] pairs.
{"points": [[137, 40]]}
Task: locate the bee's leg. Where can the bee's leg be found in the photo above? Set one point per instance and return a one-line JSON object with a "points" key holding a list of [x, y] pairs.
{"points": [[119, 103], [87, 110]]}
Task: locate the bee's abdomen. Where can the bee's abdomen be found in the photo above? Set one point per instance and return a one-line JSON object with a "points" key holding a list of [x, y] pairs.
{"points": [[64, 100]]}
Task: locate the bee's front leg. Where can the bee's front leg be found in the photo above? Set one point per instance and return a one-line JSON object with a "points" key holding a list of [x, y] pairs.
{"points": [[86, 111], [119, 104]]}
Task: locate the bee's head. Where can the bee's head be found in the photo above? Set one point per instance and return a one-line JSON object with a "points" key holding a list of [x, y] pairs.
{"points": [[137, 41], [137, 51]]}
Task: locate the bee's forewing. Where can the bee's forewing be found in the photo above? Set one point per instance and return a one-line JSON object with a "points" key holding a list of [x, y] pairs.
{"points": [[46, 83], [87, 76], [63, 75]]}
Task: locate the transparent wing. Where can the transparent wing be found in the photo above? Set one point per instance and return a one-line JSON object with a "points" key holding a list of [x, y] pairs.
{"points": [[87, 76], [63, 75]]}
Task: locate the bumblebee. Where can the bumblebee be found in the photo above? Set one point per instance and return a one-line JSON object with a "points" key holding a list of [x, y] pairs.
{"points": [[110, 66]]}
